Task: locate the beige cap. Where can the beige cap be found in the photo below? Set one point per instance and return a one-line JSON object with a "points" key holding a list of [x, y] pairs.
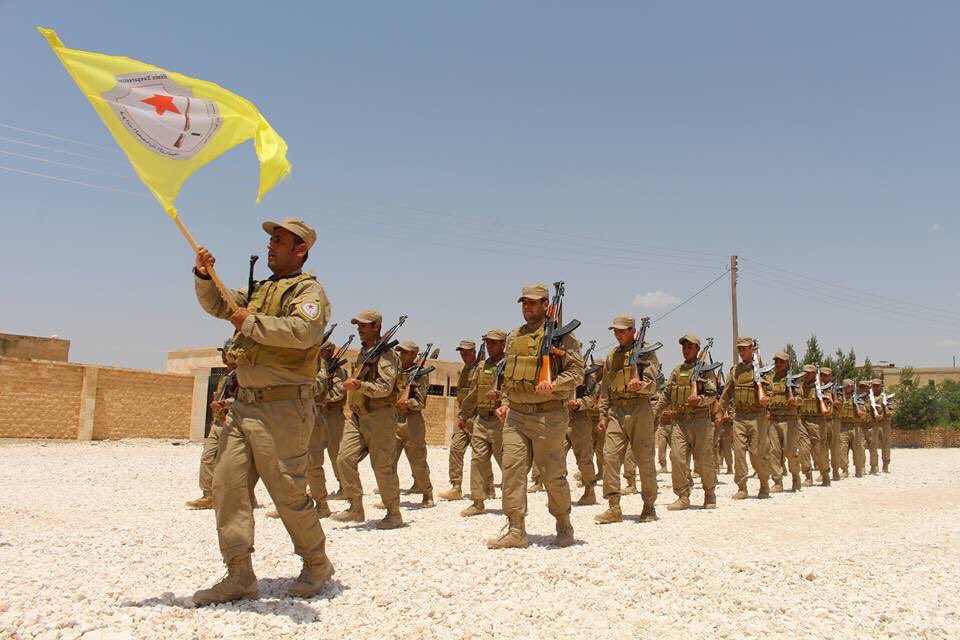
{"points": [[295, 226], [466, 345], [495, 334], [692, 339], [781, 355], [367, 316], [534, 292], [408, 345], [827, 371], [744, 341], [809, 368], [876, 381], [847, 382], [623, 322], [327, 345], [863, 383]]}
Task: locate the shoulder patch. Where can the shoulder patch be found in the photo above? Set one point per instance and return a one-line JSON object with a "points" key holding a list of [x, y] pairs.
{"points": [[309, 310]]}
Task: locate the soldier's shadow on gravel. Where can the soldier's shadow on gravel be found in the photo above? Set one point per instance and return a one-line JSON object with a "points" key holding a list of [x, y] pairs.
{"points": [[546, 542]]}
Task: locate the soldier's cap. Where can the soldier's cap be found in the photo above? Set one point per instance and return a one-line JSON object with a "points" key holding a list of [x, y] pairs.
{"points": [[623, 322], [409, 345], [809, 368], [847, 382], [328, 345], [827, 371], [466, 345], [295, 226], [781, 355], [367, 316], [226, 345], [863, 383], [744, 341], [534, 292], [876, 381], [692, 339], [495, 334]]}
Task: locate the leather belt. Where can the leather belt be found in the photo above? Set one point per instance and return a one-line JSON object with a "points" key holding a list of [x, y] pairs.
{"points": [[274, 394], [537, 407]]}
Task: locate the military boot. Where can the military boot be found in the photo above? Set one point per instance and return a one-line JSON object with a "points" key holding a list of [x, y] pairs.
{"points": [[273, 514], [612, 514], [681, 503], [589, 496], [662, 469], [453, 493], [795, 483], [886, 467], [203, 502], [764, 494], [393, 519], [240, 582], [313, 577], [338, 495], [631, 487], [649, 513], [475, 509], [564, 532], [513, 536], [808, 479], [491, 493], [825, 480], [353, 513], [536, 487], [427, 499], [740, 495], [777, 487], [709, 502], [836, 476], [323, 509]]}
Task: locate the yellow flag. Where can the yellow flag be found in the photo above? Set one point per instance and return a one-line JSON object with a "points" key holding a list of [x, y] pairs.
{"points": [[168, 124]]}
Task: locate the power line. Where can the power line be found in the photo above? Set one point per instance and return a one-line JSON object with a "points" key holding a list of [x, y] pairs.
{"points": [[64, 164], [53, 137], [76, 182], [46, 148]]}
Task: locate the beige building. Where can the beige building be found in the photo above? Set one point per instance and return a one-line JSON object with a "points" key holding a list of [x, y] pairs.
{"points": [[921, 375]]}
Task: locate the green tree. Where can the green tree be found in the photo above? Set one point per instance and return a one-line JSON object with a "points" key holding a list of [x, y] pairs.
{"points": [[919, 408], [813, 354], [794, 360], [866, 372]]}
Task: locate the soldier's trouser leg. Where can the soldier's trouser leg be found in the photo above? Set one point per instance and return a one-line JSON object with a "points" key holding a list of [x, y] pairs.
{"points": [[274, 435], [316, 478], [822, 450], [836, 463], [208, 459], [886, 435], [726, 452], [581, 436], [805, 443], [845, 444], [638, 426], [537, 438], [372, 433], [629, 466], [458, 448], [700, 433], [871, 437], [751, 434], [778, 441], [415, 446], [859, 453], [681, 444], [334, 419], [614, 451], [482, 451], [662, 442]]}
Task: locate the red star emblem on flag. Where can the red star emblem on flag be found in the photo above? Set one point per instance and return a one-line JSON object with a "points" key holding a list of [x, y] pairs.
{"points": [[162, 103]]}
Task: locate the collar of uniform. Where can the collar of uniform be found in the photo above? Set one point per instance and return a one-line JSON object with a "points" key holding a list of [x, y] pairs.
{"points": [[276, 278]]}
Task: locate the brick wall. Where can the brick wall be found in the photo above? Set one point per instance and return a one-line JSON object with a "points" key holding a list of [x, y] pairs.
{"points": [[142, 404], [926, 438], [435, 415], [39, 399], [33, 347]]}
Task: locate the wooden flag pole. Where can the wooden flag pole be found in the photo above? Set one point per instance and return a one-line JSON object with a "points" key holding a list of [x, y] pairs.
{"points": [[227, 296]]}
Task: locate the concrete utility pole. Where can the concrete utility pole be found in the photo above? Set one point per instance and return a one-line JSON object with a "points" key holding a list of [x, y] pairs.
{"points": [[733, 307]]}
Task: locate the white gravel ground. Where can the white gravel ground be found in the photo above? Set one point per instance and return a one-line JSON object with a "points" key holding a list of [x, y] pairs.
{"points": [[95, 543]]}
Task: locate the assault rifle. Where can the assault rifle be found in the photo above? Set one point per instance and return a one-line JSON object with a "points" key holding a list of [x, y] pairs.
{"points": [[819, 390], [328, 333], [251, 283], [589, 371], [497, 373], [758, 371], [338, 360], [884, 400], [417, 372], [230, 386], [718, 373], [873, 403], [386, 343], [636, 358], [482, 353], [790, 381], [552, 333], [700, 368]]}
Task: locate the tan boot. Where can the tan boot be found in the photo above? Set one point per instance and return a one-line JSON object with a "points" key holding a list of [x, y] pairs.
{"points": [[649, 513], [564, 532], [353, 513], [709, 502], [313, 577], [427, 500], [739, 495], [475, 509], [808, 480], [239, 583], [662, 469], [796, 484], [536, 487], [513, 536], [630, 489], [453, 493], [681, 503], [491, 493], [777, 487], [393, 519], [612, 514], [764, 494], [886, 467], [379, 505], [589, 496], [203, 502], [323, 509], [338, 494], [273, 514]]}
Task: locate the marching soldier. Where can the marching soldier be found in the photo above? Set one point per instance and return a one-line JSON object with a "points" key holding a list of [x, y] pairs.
{"points": [[827, 430], [784, 425], [584, 434], [723, 441], [751, 432], [372, 426], [850, 416], [332, 407], [319, 443], [482, 400], [833, 423], [868, 430], [693, 430], [627, 419], [535, 421], [275, 347], [884, 429], [411, 428], [663, 435], [463, 433], [814, 415]]}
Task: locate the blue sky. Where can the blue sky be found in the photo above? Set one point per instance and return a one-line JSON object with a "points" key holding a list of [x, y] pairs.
{"points": [[450, 153]]}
